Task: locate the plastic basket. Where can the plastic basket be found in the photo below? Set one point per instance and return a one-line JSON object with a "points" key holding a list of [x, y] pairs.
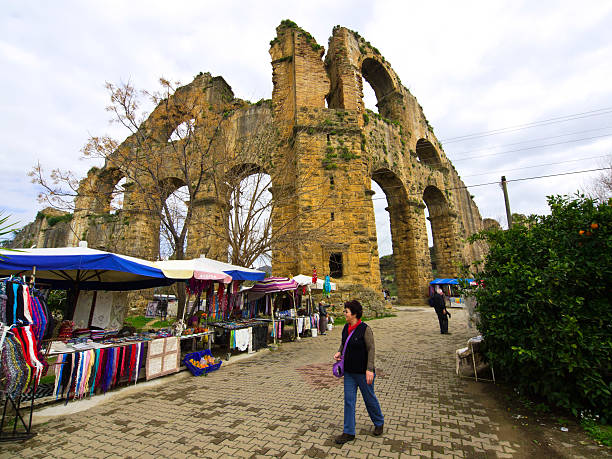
{"points": [[197, 356]]}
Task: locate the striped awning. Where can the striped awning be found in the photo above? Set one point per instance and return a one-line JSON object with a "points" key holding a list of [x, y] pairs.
{"points": [[274, 284]]}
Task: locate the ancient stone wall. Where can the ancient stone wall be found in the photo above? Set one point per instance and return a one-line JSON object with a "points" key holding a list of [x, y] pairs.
{"points": [[329, 149], [50, 228]]}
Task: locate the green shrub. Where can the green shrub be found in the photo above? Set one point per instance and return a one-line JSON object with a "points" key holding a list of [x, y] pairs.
{"points": [[545, 305], [57, 300], [52, 221], [163, 323], [599, 432]]}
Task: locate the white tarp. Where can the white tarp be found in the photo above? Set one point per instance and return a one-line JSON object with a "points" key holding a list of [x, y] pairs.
{"points": [[304, 280], [200, 268]]}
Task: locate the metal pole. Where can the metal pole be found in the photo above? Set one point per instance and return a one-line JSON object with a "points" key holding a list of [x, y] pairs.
{"points": [[33, 277], [507, 201]]}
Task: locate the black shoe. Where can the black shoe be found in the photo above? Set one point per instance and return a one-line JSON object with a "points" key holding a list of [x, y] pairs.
{"points": [[342, 439], [378, 430]]}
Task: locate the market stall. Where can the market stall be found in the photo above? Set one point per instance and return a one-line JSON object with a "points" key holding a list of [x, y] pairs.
{"points": [[450, 288], [311, 309], [280, 297], [223, 303], [25, 322]]}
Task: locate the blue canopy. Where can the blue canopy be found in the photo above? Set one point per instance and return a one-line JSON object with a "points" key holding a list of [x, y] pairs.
{"points": [[441, 281], [82, 268], [237, 272]]}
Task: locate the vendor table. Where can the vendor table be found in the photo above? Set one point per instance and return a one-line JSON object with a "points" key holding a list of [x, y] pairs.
{"points": [[197, 336], [259, 333], [59, 347]]}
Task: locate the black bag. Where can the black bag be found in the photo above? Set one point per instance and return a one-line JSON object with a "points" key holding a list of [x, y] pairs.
{"points": [[430, 301]]}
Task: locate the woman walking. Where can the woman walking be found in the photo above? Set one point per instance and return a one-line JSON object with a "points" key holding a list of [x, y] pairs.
{"points": [[359, 371]]}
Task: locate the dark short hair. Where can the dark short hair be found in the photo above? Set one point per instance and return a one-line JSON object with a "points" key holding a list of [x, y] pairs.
{"points": [[355, 307]]}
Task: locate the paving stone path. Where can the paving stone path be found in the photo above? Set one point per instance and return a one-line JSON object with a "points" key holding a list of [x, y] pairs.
{"points": [[287, 404]]}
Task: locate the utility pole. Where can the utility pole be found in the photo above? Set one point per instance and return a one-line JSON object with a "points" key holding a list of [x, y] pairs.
{"points": [[508, 213]]}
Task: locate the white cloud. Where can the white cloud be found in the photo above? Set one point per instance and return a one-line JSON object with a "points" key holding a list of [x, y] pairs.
{"points": [[474, 66]]}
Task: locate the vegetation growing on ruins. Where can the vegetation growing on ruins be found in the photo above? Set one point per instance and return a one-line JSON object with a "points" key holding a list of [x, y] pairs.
{"points": [[53, 220], [289, 24]]}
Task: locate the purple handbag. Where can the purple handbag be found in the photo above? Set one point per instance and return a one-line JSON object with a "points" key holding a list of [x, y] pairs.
{"points": [[338, 367]]}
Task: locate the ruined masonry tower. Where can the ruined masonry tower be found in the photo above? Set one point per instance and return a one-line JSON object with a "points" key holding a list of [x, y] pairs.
{"points": [[334, 148]]}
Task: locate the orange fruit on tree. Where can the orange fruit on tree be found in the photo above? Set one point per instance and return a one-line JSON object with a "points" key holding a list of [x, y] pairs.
{"points": [[594, 226]]}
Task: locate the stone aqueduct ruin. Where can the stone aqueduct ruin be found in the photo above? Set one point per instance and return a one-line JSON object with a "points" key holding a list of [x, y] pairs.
{"points": [[317, 105]]}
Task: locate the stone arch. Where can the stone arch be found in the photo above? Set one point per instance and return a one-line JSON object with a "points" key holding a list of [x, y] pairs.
{"points": [[377, 75], [402, 224], [168, 185], [442, 220], [349, 60], [166, 190], [383, 81], [105, 182], [427, 154], [94, 221], [249, 199], [238, 172]]}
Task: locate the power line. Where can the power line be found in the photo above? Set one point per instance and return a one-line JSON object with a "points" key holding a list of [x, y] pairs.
{"points": [[530, 140], [559, 119], [531, 148], [533, 167], [491, 183]]}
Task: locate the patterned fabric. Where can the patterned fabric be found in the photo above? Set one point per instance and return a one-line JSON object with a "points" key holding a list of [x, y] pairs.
{"points": [[274, 284], [3, 299], [14, 372], [83, 373]]}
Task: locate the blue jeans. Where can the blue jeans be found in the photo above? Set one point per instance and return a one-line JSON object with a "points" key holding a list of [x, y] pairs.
{"points": [[351, 382]]}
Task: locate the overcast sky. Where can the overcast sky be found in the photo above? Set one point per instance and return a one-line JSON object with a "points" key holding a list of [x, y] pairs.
{"points": [[474, 67]]}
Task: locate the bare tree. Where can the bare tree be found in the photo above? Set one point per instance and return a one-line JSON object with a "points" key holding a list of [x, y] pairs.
{"points": [[600, 188], [59, 188]]}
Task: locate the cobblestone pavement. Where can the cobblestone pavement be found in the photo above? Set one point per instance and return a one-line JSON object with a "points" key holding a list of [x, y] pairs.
{"points": [[287, 404]]}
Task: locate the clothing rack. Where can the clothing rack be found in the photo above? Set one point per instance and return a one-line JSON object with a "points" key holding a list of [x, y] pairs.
{"points": [[12, 410], [20, 429]]}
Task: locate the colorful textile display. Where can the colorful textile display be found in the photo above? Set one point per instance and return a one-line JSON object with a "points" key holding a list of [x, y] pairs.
{"points": [[327, 286], [97, 370], [196, 286], [24, 318], [277, 330]]}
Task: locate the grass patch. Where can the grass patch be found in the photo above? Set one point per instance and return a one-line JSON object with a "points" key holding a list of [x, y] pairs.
{"points": [[599, 432], [163, 323], [49, 379], [138, 322], [340, 320]]}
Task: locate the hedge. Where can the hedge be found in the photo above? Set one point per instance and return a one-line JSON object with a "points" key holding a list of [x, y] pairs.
{"points": [[544, 305]]}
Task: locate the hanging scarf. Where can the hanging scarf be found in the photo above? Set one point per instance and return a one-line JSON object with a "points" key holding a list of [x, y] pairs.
{"points": [[220, 298], [327, 286], [95, 373], [58, 374]]}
